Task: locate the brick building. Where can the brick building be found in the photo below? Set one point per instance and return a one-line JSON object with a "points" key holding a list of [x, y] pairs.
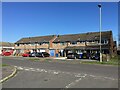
{"points": [[35, 44], [85, 42], [62, 44]]}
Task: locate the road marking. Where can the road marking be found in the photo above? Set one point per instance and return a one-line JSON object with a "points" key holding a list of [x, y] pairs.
{"points": [[38, 69], [26, 69], [77, 80], [56, 73], [20, 68], [102, 77], [77, 75], [31, 68]]}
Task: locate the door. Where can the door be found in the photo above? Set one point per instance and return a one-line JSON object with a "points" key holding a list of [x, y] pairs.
{"points": [[52, 53]]}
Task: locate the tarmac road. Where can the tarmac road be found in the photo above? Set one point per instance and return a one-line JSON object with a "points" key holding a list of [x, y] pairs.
{"points": [[36, 74]]}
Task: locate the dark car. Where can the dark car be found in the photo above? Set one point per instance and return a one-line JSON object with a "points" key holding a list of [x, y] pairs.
{"points": [[95, 56], [33, 54], [45, 54], [84, 56], [42, 54], [73, 56], [39, 54]]}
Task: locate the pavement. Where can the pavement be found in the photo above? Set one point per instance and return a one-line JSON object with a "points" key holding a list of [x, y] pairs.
{"points": [[7, 72]]}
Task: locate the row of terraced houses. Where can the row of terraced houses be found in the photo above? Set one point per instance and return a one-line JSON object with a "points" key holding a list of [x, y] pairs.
{"points": [[62, 44]]}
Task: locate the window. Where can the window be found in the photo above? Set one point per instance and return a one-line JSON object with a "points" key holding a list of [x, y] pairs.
{"points": [[93, 41], [21, 44], [102, 41], [73, 43], [105, 41], [62, 43], [46, 43], [98, 41], [82, 41], [40, 43], [18, 44], [55, 43], [89, 41], [32, 44]]}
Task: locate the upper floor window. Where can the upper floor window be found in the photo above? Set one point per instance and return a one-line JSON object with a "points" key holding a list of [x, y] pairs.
{"points": [[21, 44], [102, 41], [40, 43], [32, 44], [18, 44], [46, 43], [82, 41], [105, 41], [55, 43], [62, 43], [73, 43]]}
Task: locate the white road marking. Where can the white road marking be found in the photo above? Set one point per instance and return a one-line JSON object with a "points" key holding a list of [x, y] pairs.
{"points": [[20, 68], [77, 80], [102, 77], [31, 68], [38, 69], [78, 75], [26, 69], [56, 73]]}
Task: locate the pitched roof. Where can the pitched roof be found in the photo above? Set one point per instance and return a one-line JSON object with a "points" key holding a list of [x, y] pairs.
{"points": [[6, 44], [36, 39], [83, 36]]}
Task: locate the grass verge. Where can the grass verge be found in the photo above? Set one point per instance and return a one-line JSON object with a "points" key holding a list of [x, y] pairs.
{"points": [[3, 65], [112, 61], [33, 59]]}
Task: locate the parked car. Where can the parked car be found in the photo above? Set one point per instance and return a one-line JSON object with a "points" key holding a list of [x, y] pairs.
{"points": [[33, 54], [25, 55], [39, 54], [95, 56], [73, 56], [85, 55], [6, 53], [45, 54]]}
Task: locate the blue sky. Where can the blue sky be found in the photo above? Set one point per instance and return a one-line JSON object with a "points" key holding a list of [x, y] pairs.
{"points": [[28, 19]]}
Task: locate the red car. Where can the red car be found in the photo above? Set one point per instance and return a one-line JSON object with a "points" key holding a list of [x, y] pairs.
{"points": [[6, 53], [25, 55]]}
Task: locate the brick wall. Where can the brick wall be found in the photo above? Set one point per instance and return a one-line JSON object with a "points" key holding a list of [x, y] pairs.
{"points": [[51, 42]]}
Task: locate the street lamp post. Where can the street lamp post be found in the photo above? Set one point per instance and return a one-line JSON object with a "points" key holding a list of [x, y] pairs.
{"points": [[100, 31]]}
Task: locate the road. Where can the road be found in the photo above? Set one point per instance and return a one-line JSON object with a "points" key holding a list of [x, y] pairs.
{"points": [[36, 74]]}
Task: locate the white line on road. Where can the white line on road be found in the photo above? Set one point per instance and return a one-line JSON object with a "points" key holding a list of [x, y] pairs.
{"points": [[26, 69], [78, 75]]}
